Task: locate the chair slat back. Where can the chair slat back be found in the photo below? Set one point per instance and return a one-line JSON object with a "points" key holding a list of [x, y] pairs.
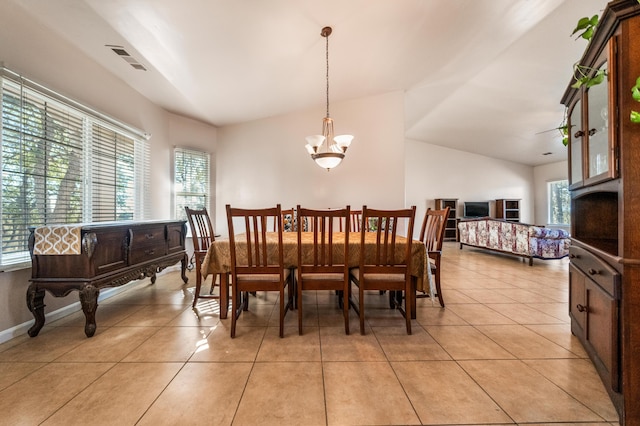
{"points": [[323, 224], [433, 227], [250, 254], [201, 229], [385, 258], [355, 221]]}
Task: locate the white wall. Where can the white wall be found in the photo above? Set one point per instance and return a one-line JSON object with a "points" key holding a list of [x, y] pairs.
{"points": [[436, 172], [264, 162], [542, 175], [48, 59]]}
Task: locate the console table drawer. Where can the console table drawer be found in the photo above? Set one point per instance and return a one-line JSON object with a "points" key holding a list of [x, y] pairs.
{"points": [[149, 235], [147, 243]]}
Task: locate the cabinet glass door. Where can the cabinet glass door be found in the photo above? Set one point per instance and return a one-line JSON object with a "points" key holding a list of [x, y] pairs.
{"points": [[598, 133], [575, 139]]}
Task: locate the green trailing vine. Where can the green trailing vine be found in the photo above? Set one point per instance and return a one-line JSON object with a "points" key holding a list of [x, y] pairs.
{"points": [[587, 26], [564, 131], [635, 94], [582, 75]]}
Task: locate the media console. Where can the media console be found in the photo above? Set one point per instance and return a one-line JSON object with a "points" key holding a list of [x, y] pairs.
{"points": [[88, 257]]}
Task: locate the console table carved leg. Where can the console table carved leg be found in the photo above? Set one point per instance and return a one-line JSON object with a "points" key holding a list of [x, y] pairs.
{"points": [[35, 303], [89, 301]]}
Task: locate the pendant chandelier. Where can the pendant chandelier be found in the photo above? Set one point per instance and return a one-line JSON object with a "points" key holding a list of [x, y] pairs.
{"points": [[325, 149]]}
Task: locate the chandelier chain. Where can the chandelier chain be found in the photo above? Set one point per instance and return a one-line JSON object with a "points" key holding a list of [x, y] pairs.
{"points": [[327, 58]]}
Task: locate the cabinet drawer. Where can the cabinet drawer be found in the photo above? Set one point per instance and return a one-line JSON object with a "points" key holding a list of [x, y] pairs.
{"points": [[596, 269]]}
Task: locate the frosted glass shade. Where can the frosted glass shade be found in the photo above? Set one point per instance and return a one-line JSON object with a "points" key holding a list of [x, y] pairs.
{"points": [[343, 141], [328, 160], [315, 141]]}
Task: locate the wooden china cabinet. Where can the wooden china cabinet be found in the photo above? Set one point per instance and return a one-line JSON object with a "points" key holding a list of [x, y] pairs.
{"points": [[604, 179]]}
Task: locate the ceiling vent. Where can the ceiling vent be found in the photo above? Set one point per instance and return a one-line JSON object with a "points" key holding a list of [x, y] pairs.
{"points": [[119, 50]]}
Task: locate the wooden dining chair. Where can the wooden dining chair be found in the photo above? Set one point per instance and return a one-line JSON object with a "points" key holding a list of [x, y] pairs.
{"points": [[432, 236], [386, 266], [257, 259], [355, 221], [288, 221], [318, 269], [202, 236]]}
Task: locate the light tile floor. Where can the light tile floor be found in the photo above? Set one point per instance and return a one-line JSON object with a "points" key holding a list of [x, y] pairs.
{"points": [[501, 352]]}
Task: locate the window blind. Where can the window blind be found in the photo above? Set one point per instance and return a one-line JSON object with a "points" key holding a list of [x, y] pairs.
{"points": [[191, 180], [62, 164]]}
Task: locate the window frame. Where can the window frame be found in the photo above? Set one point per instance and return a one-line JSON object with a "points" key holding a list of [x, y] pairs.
{"points": [[550, 202], [75, 120], [181, 195]]}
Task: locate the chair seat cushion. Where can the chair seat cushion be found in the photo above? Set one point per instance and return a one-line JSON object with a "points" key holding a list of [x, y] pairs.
{"points": [[323, 277], [355, 272], [263, 277]]}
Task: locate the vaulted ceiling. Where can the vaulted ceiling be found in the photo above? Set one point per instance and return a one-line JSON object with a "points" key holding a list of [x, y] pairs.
{"points": [[483, 76]]}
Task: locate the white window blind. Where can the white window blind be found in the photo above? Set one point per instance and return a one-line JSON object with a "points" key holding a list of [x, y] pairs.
{"points": [[191, 180], [62, 164]]}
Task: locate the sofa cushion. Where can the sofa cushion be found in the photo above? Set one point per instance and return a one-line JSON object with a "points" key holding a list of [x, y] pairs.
{"points": [[549, 233]]}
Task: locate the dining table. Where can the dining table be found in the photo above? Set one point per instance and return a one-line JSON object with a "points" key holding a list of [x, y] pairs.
{"points": [[218, 258]]}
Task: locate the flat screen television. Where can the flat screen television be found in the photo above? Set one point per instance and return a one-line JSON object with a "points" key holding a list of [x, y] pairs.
{"points": [[476, 209]]}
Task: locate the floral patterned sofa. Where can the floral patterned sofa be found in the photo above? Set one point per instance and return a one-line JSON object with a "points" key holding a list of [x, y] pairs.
{"points": [[517, 238]]}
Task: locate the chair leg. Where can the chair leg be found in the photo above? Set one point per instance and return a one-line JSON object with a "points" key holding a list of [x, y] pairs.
{"points": [[293, 289], [299, 305], [361, 307], [439, 290], [413, 297], [197, 291], [224, 295], [282, 312], [407, 308], [235, 309], [345, 310], [245, 301]]}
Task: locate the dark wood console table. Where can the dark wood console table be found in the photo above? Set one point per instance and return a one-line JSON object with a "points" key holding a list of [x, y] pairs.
{"points": [[99, 255]]}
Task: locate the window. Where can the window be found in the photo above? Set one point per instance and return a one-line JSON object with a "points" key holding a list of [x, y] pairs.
{"points": [[191, 180], [62, 163], [559, 202]]}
